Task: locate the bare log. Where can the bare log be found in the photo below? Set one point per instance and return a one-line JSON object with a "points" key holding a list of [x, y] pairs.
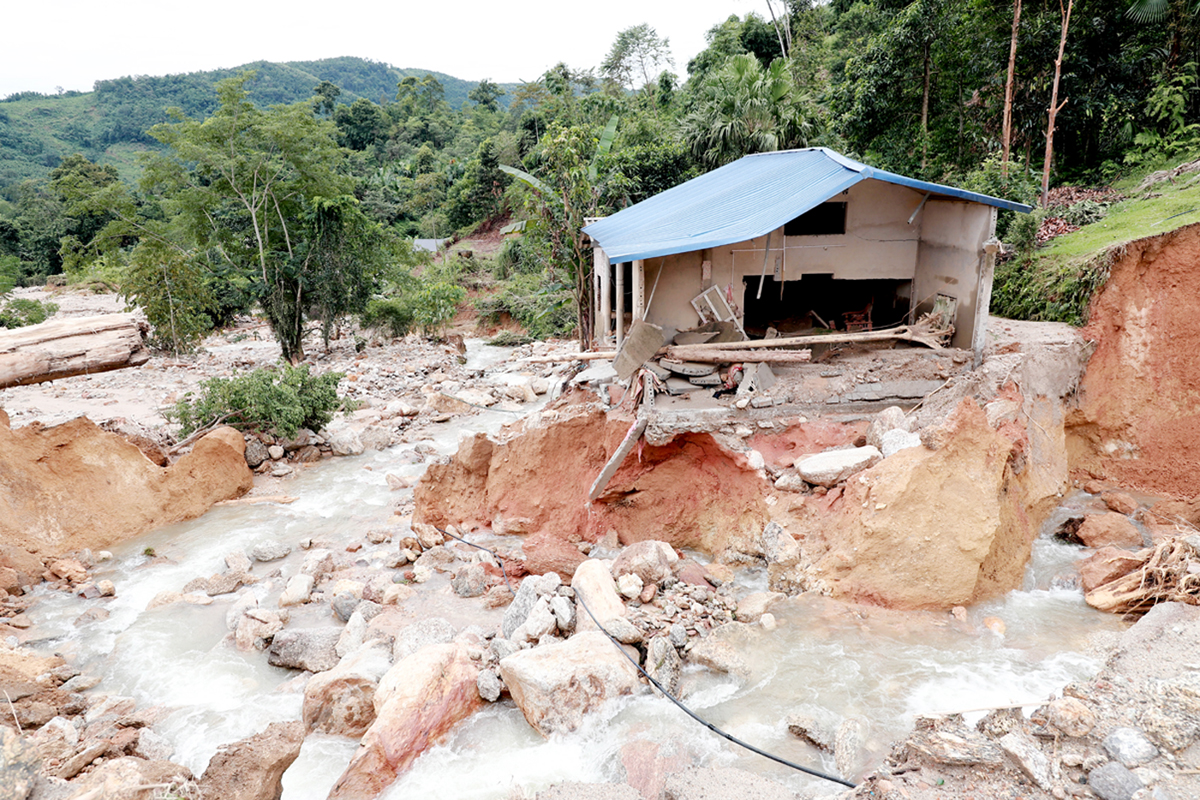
{"points": [[909, 333], [744, 356], [62, 348]]}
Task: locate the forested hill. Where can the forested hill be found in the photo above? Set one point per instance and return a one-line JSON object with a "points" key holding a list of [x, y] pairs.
{"points": [[37, 131]]}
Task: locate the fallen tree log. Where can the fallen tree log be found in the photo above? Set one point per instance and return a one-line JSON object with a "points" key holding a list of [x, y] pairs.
{"points": [[1170, 572], [920, 334], [743, 356], [62, 348]]}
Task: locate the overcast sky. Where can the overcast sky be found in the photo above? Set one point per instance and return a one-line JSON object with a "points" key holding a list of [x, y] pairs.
{"points": [[72, 44]]}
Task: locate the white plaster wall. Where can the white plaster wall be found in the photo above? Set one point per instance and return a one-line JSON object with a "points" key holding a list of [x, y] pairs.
{"points": [[939, 252], [949, 258], [878, 243]]}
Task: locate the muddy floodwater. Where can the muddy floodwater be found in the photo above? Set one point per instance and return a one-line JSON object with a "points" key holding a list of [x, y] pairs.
{"points": [[879, 668]]}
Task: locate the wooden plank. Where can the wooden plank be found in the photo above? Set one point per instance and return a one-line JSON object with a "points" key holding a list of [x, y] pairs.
{"points": [[624, 449]]}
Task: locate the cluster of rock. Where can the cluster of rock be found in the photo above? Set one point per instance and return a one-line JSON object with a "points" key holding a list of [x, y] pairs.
{"points": [[70, 742], [1132, 732]]}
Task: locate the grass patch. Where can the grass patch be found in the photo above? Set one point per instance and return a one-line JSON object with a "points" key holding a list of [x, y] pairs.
{"points": [[1056, 282]]}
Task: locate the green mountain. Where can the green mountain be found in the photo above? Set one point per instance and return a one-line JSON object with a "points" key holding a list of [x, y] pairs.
{"points": [[109, 124]]}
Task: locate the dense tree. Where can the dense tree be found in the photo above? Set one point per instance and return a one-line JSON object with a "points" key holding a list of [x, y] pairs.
{"points": [[262, 191], [486, 95], [636, 57], [744, 108]]}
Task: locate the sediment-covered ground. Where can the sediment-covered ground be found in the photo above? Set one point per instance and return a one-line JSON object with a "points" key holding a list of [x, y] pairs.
{"points": [[723, 524]]}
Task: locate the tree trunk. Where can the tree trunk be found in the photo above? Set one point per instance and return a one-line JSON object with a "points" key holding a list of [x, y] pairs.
{"points": [[1055, 106], [925, 112], [74, 346], [1006, 134]]}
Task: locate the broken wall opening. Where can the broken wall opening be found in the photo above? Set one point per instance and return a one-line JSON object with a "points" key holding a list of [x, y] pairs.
{"points": [[821, 301]]}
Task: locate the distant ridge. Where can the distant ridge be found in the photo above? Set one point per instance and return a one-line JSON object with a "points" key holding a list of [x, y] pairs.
{"points": [[109, 124]]}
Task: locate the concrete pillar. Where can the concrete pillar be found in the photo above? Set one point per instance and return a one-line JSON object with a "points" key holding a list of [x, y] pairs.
{"points": [[639, 289], [620, 305], [603, 270], [983, 296]]}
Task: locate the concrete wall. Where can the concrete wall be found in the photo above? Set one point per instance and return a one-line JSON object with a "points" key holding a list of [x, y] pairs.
{"points": [[948, 261], [939, 251]]}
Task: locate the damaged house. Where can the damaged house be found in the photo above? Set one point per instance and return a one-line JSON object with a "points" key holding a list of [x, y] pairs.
{"points": [[798, 240]]}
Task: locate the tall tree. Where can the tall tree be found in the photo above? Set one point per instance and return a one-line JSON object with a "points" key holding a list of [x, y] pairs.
{"points": [[637, 55], [246, 184], [1055, 106], [744, 108], [1006, 132]]}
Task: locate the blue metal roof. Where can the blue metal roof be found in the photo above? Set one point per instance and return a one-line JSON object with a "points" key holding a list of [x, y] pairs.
{"points": [[746, 199]]}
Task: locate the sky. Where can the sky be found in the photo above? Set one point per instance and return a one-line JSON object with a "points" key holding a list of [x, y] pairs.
{"points": [[71, 44]]}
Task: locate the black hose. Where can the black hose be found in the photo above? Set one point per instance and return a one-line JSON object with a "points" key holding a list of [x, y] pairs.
{"points": [[499, 560], [659, 686], [701, 720]]}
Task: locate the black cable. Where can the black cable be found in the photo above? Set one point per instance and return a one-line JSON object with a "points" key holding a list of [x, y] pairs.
{"points": [[499, 560], [659, 686], [701, 720]]}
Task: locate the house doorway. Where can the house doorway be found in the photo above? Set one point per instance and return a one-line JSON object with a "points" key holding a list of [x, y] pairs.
{"points": [[821, 301]]}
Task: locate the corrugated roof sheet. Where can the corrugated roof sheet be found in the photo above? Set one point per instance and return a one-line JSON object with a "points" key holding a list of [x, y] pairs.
{"points": [[740, 201]]}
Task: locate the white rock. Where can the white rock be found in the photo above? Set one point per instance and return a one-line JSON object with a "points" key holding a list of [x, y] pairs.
{"points": [[298, 591], [831, 468], [629, 585], [896, 440], [343, 440], [555, 685]]}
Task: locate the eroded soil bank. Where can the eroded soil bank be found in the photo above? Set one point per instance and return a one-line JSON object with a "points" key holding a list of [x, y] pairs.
{"points": [[1138, 417]]}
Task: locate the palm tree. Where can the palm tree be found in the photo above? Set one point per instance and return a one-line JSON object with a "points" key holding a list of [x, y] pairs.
{"points": [[743, 108]]}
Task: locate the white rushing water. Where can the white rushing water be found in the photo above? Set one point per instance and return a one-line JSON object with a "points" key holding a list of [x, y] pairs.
{"points": [[878, 667]]}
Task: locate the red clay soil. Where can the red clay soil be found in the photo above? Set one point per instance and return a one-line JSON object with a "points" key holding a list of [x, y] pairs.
{"points": [[1139, 412], [75, 486], [689, 492], [817, 436]]}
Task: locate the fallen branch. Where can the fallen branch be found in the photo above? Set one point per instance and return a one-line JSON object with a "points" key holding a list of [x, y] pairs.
{"points": [[1165, 576], [921, 334], [254, 501]]}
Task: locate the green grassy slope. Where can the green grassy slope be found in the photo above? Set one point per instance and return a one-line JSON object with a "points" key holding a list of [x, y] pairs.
{"points": [[1056, 281]]}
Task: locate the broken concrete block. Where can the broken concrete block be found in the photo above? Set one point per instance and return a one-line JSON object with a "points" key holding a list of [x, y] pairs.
{"points": [[831, 468], [638, 347], [688, 369]]}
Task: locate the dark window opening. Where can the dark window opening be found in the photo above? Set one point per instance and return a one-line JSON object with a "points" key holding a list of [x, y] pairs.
{"points": [[819, 301], [827, 219]]}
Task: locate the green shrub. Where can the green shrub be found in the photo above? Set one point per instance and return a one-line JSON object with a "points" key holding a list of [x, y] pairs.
{"points": [[435, 304], [1021, 235], [19, 312], [276, 401], [1048, 291], [393, 315], [10, 273], [545, 309]]}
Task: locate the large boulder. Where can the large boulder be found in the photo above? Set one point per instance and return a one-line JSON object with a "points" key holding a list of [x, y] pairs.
{"points": [[342, 701], [930, 529], [649, 559], [833, 467], [313, 649], [74, 486], [420, 700], [555, 685], [594, 586], [251, 769], [1109, 529]]}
